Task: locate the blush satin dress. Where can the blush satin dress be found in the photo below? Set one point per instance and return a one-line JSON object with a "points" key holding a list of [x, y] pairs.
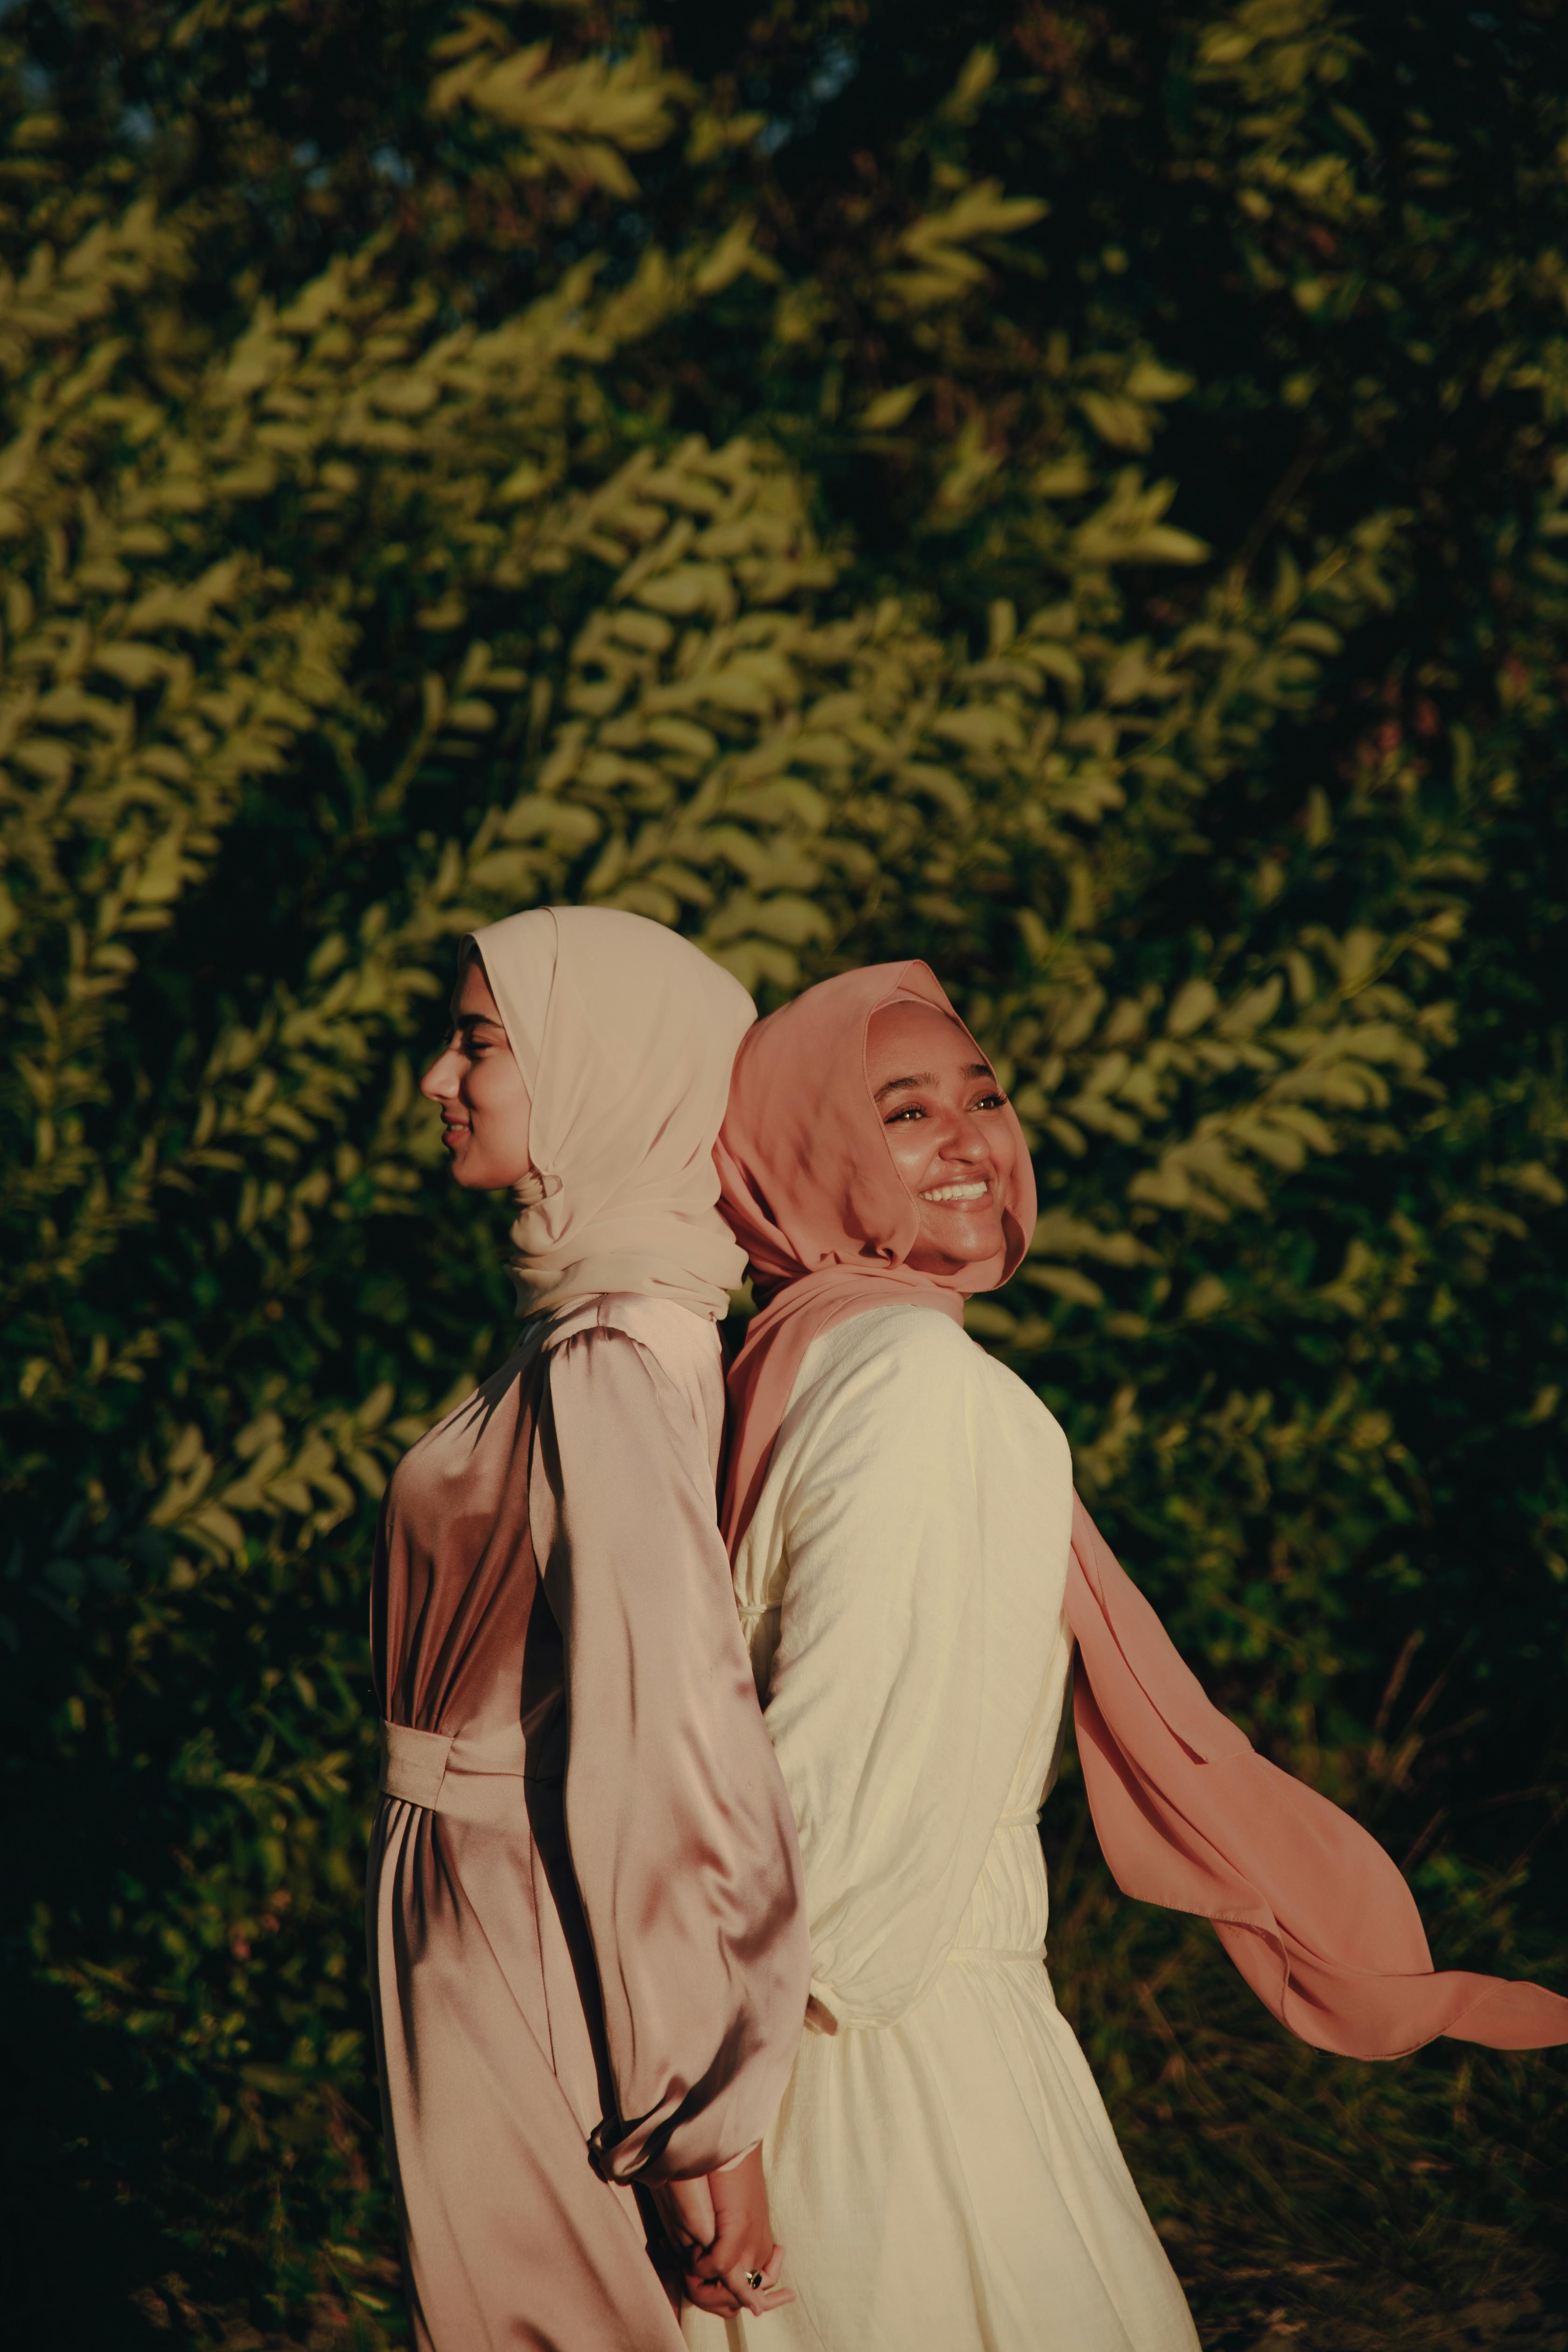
{"points": [[588, 1957]]}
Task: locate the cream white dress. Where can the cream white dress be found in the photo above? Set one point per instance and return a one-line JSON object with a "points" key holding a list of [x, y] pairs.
{"points": [[942, 2169]]}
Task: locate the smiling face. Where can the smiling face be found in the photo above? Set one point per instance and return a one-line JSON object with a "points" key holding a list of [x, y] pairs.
{"points": [[941, 1110], [481, 1091]]}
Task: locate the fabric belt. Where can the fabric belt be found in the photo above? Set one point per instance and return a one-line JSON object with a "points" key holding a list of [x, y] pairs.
{"points": [[419, 1766]]}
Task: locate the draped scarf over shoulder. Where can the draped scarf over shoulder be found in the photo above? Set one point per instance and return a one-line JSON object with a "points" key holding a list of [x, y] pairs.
{"points": [[1312, 1911], [625, 1034]]}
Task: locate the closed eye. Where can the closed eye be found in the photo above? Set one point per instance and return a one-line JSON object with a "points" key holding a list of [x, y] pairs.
{"points": [[466, 1035]]}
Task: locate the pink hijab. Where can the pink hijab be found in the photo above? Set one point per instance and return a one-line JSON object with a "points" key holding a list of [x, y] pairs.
{"points": [[809, 1189], [1314, 1914]]}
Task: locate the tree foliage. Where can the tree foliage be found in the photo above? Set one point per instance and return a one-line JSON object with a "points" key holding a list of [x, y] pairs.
{"points": [[1072, 493]]}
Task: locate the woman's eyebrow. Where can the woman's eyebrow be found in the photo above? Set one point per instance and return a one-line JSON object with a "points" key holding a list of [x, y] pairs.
{"points": [[927, 1079]]}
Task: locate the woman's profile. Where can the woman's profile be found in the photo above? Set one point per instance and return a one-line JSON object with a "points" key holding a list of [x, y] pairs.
{"points": [[587, 1950], [914, 1572]]}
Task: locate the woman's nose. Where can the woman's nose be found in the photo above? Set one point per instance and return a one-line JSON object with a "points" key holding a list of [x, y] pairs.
{"points": [[440, 1082], [965, 1139]]}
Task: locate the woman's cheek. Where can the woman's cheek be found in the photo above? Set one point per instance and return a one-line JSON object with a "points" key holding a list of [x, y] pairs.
{"points": [[909, 1157]]}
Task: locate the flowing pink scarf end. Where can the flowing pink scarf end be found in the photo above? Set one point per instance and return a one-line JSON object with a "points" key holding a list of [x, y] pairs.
{"points": [[1314, 1914]]}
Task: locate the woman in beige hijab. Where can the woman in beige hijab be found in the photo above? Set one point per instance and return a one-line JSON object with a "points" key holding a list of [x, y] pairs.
{"points": [[588, 1957]]}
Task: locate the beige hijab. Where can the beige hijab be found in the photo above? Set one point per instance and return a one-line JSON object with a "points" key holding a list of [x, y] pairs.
{"points": [[625, 1036]]}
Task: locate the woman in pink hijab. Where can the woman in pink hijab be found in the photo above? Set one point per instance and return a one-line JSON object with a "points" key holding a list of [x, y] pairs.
{"points": [[587, 1948], [914, 1573]]}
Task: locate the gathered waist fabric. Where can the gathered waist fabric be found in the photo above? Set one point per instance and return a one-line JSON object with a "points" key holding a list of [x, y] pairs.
{"points": [[468, 1774], [1009, 1911]]}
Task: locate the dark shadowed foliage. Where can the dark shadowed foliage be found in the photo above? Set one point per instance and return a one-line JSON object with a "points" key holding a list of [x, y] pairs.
{"points": [[1077, 493]]}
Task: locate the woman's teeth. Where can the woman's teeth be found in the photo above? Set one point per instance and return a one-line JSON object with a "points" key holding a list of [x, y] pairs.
{"points": [[957, 1192]]}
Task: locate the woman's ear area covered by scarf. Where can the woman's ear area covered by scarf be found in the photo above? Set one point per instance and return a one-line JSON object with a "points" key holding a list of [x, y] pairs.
{"points": [[632, 1034], [518, 957]]}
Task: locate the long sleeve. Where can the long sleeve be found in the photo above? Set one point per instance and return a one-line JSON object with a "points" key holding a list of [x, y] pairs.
{"points": [[678, 1826], [898, 1715]]}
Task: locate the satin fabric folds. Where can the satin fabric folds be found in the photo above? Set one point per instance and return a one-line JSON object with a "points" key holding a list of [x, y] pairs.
{"points": [[1312, 1911], [587, 1955]]}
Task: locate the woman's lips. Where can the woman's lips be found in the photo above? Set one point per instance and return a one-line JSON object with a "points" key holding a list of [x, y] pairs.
{"points": [[945, 1193]]}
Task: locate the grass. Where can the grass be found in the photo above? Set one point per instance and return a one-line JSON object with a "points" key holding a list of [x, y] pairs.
{"points": [[1416, 2205]]}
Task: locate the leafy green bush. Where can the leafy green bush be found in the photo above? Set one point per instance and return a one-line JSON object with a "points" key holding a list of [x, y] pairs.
{"points": [[456, 460]]}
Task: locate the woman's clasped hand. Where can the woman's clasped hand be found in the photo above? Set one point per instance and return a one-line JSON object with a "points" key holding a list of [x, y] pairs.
{"points": [[720, 2228]]}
